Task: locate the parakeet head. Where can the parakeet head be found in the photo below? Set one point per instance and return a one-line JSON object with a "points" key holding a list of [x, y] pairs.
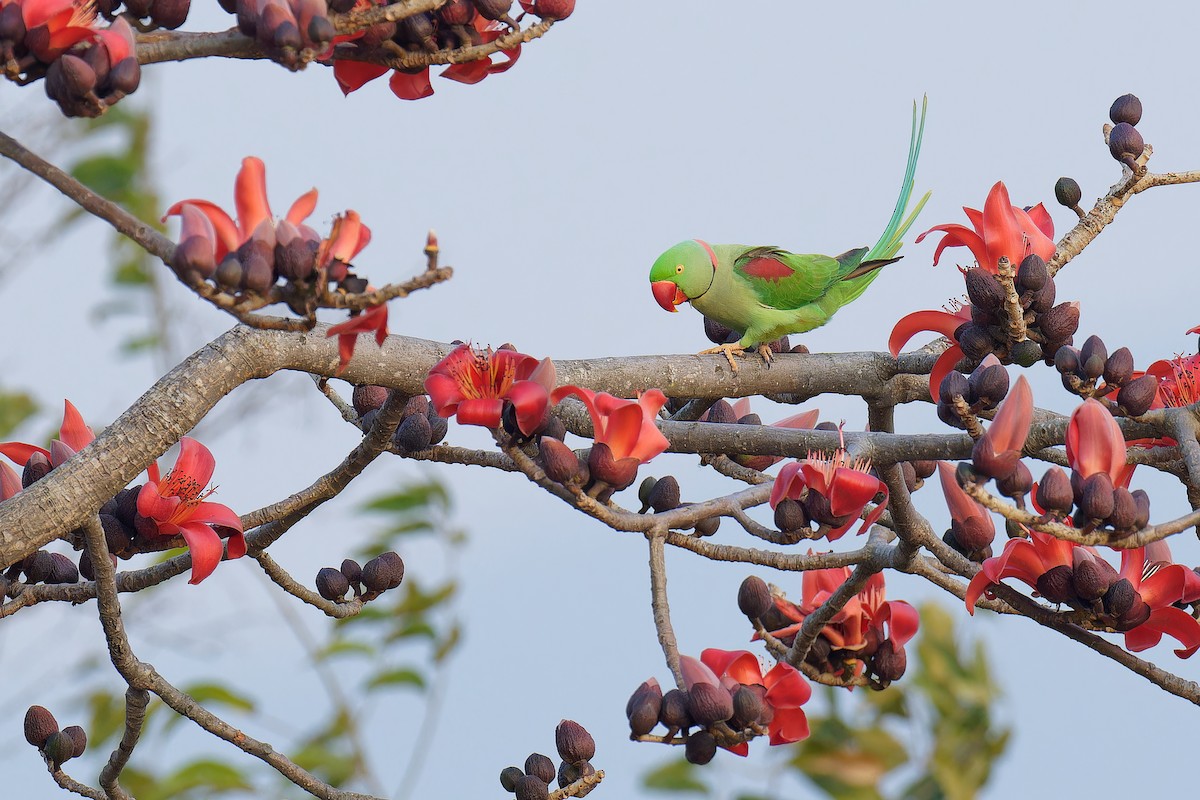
{"points": [[683, 273]]}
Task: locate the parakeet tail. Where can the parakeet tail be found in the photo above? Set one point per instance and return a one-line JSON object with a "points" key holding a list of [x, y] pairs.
{"points": [[889, 243]]}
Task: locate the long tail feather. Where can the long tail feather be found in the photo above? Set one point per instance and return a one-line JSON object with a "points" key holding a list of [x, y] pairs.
{"points": [[890, 241]]}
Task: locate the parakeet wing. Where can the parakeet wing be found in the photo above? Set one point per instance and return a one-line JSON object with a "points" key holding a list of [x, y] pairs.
{"points": [[784, 280]]}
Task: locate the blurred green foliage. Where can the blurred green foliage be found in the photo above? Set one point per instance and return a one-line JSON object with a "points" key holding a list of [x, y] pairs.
{"points": [[929, 736]]}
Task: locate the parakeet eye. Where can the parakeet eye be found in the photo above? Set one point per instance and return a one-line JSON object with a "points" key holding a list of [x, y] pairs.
{"points": [[678, 269]]}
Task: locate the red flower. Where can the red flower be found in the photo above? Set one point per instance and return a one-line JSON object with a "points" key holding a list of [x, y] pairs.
{"points": [[785, 689], [996, 452], [1023, 559], [10, 482], [805, 420], [846, 483], [972, 523], [63, 24], [373, 320], [1001, 229], [1160, 584], [473, 385], [1178, 380], [626, 427], [1095, 444], [73, 435], [943, 322], [176, 504]]}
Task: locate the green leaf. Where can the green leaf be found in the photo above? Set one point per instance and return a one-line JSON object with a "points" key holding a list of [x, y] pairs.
{"points": [[403, 676], [417, 495], [447, 645], [345, 647], [212, 776], [676, 776], [107, 175], [15, 408], [336, 769], [212, 694], [137, 344]]}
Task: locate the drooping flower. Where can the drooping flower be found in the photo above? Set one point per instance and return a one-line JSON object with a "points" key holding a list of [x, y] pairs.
{"points": [[625, 426], [997, 452], [1027, 560], [73, 435], [944, 322], [1160, 584], [176, 504], [1095, 444], [373, 320], [472, 386], [805, 420], [972, 523], [786, 690], [1178, 379], [845, 482], [1000, 230]]}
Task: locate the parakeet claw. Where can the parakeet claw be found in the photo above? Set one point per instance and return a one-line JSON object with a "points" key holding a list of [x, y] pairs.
{"points": [[728, 350], [764, 350]]}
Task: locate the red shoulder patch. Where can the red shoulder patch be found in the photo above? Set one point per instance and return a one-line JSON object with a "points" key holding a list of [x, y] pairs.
{"points": [[767, 268]]}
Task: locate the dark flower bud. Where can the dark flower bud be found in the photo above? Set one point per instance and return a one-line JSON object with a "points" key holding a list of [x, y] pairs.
{"points": [[368, 398], [1067, 192], [708, 526], [116, 535], [573, 742], [125, 76], [1033, 273], [1125, 510], [554, 428], [644, 489], [78, 737], [320, 31], [38, 567], [754, 598], [342, 6], [1119, 367], [924, 468], [984, 288], [1119, 598], [1056, 585], [439, 427], [709, 704], [531, 787], [817, 507], [888, 662], [832, 427], [230, 273], [700, 747], [413, 434], [790, 515], [1137, 614], [975, 341], [909, 473], [1143, 506], [417, 29], [12, 23], [509, 777], [456, 12], [385, 571], [540, 766], [972, 535], [569, 773], [718, 333], [1060, 322], [62, 570], [36, 468], [332, 584], [39, 724], [1138, 395], [643, 708], [352, 571], [559, 462], [750, 419], [259, 270], [353, 284], [1092, 357], [554, 9], [1092, 577], [947, 414], [665, 494], [493, 9], [296, 260], [1096, 502], [1025, 353], [955, 384], [616, 473], [169, 14], [1066, 360], [77, 77], [951, 540], [747, 708], [1016, 484], [676, 710], [721, 412], [1126, 108], [59, 747], [986, 461], [1042, 300], [1126, 144], [987, 385]]}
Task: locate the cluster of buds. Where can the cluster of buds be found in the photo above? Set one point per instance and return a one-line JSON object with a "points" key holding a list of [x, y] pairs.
{"points": [[420, 425], [1092, 584], [1082, 367], [168, 14], [1124, 141], [662, 494], [383, 572], [960, 397], [1093, 502], [44, 567], [292, 32], [56, 746], [576, 748]]}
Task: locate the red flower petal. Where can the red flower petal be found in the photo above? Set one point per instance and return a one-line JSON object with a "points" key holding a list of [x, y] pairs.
{"points": [[353, 75], [483, 411], [250, 196], [206, 549], [10, 481], [411, 87], [304, 206], [942, 322]]}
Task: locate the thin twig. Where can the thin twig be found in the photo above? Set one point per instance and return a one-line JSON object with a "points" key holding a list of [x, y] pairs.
{"points": [[660, 606]]}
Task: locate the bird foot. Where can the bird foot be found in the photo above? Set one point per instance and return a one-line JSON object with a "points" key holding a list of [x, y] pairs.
{"points": [[764, 350], [727, 350]]}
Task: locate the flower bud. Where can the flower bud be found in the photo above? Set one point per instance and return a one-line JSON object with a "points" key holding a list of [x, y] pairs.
{"points": [[1025, 353], [984, 288], [1125, 144], [169, 14], [955, 384], [62, 570], [1096, 502], [1143, 506], [1016, 484], [790, 515], [708, 526], [413, 434], [368, 398], [125, 76], [665, 494], [888, 662], [573, 742], [817, 507], [332, 584], [559, 462], [39, 724], [230, 273], [909, 473], [975, 341], [78, 737], [509, 777], [456, 12], [748, 706], [754, 598], [988, 384], [1092, 357], [38, 567], [353, 572], [540, 766], [1137, 396], [1137, 614], [1127, 108], [644, 707], [1125, 511], [77, 77], [709, 704], [1056, 585], [675, 712], [569, 773], [36, 468], [721, 412], [531, 787], [59, 747], [1042, 300], [1120, 597], [1060, 322], [1067, 192], [1092, 577], [385, 571], [700, 747], [554, 9], [924, 468], [12, 23], [616, 473], [1066, 360], [1118, 369]]}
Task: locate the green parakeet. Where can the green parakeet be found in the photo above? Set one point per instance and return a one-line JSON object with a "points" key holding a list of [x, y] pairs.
{"points": [[767, 292]]}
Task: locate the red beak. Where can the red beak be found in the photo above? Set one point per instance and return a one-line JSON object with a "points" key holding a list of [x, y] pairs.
{"points": [[668, 295]]}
